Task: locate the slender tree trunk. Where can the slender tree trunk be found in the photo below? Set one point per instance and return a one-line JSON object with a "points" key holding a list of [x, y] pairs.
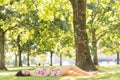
{"points": [[28, 58], [51, 57], [94, 47], [60, 59], [15, 59], [95, 56], [83, 58], [19, 51], [2, 55], [19, 55], [118, 57]]}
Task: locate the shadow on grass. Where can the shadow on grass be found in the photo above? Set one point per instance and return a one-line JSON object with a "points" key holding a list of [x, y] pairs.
{"points": [[109, 76]]}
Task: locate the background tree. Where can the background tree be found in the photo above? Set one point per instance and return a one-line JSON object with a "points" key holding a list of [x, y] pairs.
{"points": [[7, 17], [98, 25]]}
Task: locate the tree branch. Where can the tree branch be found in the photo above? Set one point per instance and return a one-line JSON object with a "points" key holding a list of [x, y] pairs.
{"points": [[101, 34], [12, 27]]}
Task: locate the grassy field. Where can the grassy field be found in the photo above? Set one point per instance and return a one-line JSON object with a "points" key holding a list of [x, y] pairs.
{"points": [[107, 73]]}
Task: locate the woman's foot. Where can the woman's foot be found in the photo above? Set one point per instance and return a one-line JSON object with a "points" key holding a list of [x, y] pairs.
{"points": [[92, 73]]}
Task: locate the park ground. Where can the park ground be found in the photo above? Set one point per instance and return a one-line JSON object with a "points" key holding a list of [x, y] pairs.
{"points": [[106, 73]]}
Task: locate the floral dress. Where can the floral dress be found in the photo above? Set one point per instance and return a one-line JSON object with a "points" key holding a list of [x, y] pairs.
{"points": [[41, 71], [55, 72]]}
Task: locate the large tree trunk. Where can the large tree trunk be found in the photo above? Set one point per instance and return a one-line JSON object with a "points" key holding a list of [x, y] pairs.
{"points": [[2, 56], [94, 47], [83, 58]]}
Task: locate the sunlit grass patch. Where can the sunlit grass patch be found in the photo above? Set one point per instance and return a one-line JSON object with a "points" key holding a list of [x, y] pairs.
{"points": [[6, 73], [37, 78]]}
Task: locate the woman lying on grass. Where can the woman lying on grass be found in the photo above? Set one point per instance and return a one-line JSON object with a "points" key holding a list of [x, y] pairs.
{"points": [[69, 70]]}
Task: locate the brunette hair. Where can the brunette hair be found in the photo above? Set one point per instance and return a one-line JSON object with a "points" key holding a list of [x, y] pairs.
{"points": [[19, 73]]}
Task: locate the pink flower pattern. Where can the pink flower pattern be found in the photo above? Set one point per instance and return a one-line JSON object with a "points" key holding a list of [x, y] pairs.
{"points": [[41, 71], [55, 73]]}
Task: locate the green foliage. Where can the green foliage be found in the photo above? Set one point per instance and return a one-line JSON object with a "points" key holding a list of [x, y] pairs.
{"points": [[46, 25], [55, 26], [40, 24], [111, 39], [7, 16]]}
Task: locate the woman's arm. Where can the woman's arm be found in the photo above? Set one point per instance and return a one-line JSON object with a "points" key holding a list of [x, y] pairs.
{"points": [[34, 74]]}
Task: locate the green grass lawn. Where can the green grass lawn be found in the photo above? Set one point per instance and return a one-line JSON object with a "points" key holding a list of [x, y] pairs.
{"points": [[107, 73]]}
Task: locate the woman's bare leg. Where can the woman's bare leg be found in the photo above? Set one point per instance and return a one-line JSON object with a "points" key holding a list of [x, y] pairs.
{"points": [[72, 73], [64, 70]]}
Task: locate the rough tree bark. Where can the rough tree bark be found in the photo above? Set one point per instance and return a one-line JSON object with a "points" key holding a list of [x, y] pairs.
{"points": [[83, 58]]}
